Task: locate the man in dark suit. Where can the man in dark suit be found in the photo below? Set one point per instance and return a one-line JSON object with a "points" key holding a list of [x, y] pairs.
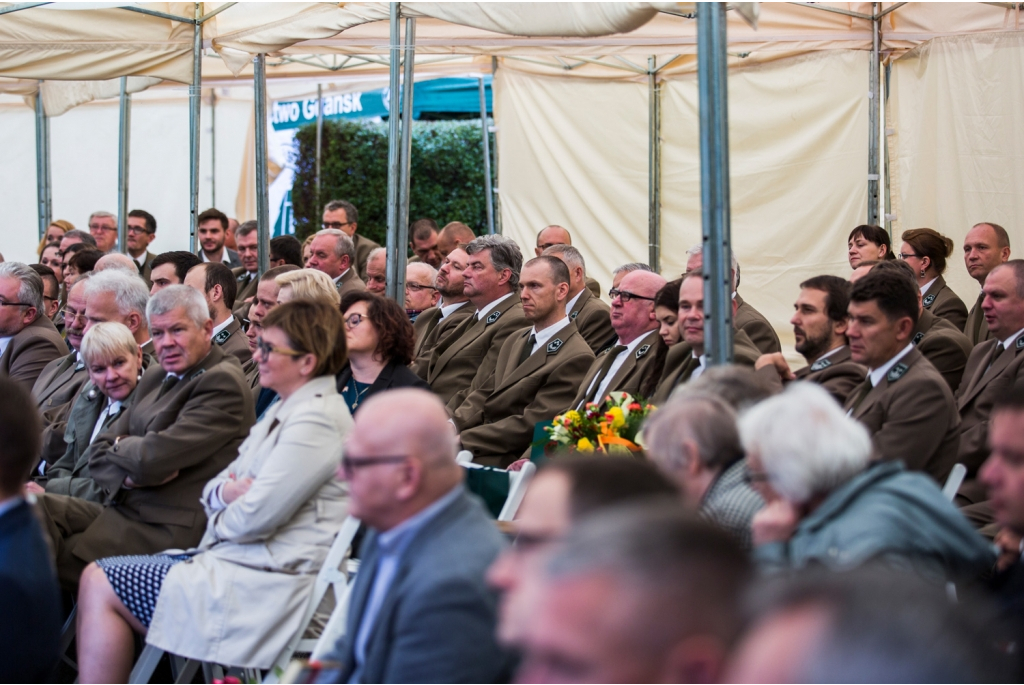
{"points": [[986, 246], [213, 231], [190, 415], [141, 232], [217, 284], [420, 609], [590, 314], [333, 253], [247, 276], [29, 594], [116, 295], [28, 340], [433, 325]]}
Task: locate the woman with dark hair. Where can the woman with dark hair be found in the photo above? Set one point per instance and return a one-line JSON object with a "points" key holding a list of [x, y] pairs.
{"points": [[82, 262], [666, 309], [926, 251], [380, 342], [868, 242]]}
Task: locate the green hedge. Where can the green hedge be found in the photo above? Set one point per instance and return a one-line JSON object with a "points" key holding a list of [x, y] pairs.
{"points": [[446, 175]]}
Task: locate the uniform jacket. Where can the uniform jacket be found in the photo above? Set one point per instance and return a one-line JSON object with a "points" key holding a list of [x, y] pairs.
{"points": [[466, 359], [911, 416], [364, 246], [28, 352], [391, 377], [976, 328], [431, 331], [593, 286], [232, 341], [243, 592], [146, 271], [350, 282], [233, 261], [837, 373], [247, 284], [942, 302], [55, 391], [638, 375], [944, 345], [680, 364], [498, 421], [593, 318], [755, 325]]}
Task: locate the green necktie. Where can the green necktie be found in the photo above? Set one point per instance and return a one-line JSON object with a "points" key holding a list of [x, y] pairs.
{"points": [[527, 349], [613, 354]]}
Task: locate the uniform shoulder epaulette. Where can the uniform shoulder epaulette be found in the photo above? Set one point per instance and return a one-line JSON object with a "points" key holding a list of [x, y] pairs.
{"points": [[821, 364], [896, 372], [642, 351], [928, 300], [492, 318], [222, 337], [917, 338], [554, 345]]}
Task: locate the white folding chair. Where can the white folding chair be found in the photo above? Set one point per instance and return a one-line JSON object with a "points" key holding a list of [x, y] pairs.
{"points": [[954, 481], [518, 482]]}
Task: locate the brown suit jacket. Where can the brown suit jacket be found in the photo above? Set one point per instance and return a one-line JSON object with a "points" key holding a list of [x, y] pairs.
{"points": [[233, 341], [638, 374], [755, 325], [350, 282], [837, 373], [364, 246], [55, 392], [941, 301], [976, 328], [247, 284], [194, 428], [499, 423], [146, 272], [943, 345], [680, 364], [465, 360], [979, 389], [433, 331], [593, 318], [28, 352], [593, 286], [911, 416]]}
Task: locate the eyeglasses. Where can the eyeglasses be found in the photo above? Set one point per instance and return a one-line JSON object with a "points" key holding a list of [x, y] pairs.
{"points": [[266, 348], [903, 255], [14, 304], [353, 320], [138, 229], [350, 464], [416, 287], [335, 224], [626, 296], [98, 227], [753, 477]]}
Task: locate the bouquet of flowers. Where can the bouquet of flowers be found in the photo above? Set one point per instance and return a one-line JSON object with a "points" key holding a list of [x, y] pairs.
{"points": [[611, 427]]}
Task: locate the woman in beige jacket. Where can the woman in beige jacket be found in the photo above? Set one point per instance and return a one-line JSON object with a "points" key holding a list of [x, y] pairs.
{"points": [[239, 596]]}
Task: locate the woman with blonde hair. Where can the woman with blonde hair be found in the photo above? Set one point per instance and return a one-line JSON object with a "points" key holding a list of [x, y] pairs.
{"points": [[54, 232], [307, 284]]}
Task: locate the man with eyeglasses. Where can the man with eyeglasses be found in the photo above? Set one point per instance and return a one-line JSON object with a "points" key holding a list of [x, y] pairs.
{"points": [[103, 227], [420, 293], [343, 216], [28, 340], [247, 276], [634, 363], [141, 232], [420, 609]]}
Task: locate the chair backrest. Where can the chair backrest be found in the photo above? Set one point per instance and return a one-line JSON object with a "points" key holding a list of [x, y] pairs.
{"points": [[953, 482], [501, 490]]}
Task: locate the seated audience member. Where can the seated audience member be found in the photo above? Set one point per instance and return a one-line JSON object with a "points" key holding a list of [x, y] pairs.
{"points": [[584, 306], [694, 440], [342, 216], [620, 272], [272, 515], [141, 230], [666, 310], [377, 271], [60, 380], [103, 227], [926, 252], [688, 360], [434, 325], [116, 260], [420, 293], [423, 243], [830, 504], [306, 249], [634, 363], [904, 402], [28, 339], [868, 242], [745, 317], [65, 263], [871, 626], [427, 552], [51, 257], [51, 291], [76, 237], [738, 386], [986, 246], [29, 594], [169, 268], [309, 285], [539, 370], [454, 234], [54, 233], [247, 276], [333, 253], [556, 235], [217, 285], [114, 364], [229, 233], [212, 234], [819, 328], [467, 357], [379, 340], [565, 491], [81, 262], [189, 417], [284, 250], [121, 297], [266, 300], [635, 594]]}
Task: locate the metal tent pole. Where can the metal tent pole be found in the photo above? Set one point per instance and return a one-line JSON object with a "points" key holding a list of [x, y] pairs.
{"points": [[488, 192], [43, 186], [195, 102], [654, 168], [874, 123], [394, 151], [262, 201], [712, 73], [405, 157], [213, 147], [123, 154], [319, 135]]}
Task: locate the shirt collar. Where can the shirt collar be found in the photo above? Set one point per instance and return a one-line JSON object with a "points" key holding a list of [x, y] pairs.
{"points": [[220, 327], [113, 406], [4, 342], [223, 255], [548, 333], [396, 539], [1009, 341], [876, 375], [140, 260], [571, 304], [447, 309], [828, 354], [487, 310], [341, 276], [633, 345], [924, 288]]}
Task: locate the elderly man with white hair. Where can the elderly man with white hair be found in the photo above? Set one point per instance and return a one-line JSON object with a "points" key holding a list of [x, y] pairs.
{"points": [[119, 296], [420, 292], [830, 505]]}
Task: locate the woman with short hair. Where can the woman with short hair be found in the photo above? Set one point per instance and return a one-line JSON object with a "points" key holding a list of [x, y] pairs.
{"points": [[54, 234], [868, 242], [307, 284], [926, 251]]}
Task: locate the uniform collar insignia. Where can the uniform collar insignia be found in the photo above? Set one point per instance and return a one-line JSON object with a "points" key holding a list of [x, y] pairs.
{"points": [[197, 374], [642, 351], [896, 372], [554, 345], [493, 317], [242, 277], [917, 338], [1020, 342], [222, 337], [928, 300], [573, 315], [821, 364]]}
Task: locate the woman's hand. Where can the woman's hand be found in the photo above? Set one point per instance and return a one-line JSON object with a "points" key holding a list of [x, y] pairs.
{"points": [[34, 488], [234, 489]]}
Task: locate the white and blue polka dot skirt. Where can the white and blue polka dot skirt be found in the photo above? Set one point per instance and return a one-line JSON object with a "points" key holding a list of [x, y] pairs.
{"points": [[137, 580]]}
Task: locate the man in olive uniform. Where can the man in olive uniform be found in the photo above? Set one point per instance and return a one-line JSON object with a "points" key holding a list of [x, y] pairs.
{"points": [[468, 356], [332, 252], [217, 284], [986, 246], [434, 324], [590, 314], [904, 402], [247, 276], [343, 216], [635, 362], [819, 327], [538, 372]]}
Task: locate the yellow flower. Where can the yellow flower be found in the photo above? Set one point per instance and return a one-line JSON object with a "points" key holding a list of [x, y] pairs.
{"points": [[585, 446], [617, 417], [570, 417]]}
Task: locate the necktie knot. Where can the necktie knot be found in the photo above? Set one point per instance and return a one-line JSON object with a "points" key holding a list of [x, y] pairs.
{"points": [[528, 348]]}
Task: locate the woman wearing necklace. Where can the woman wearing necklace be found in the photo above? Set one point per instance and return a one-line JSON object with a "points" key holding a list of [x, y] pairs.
{"points": [[380, 342]]}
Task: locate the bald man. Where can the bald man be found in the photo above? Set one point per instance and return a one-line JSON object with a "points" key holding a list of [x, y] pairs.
{"points": [[420, 609], [116, 260], [556, 235], [453, 235]]}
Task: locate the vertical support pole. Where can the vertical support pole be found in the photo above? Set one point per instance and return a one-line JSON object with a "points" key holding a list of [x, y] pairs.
{"points": [[43, 185], [488, 191], [124, 140], [394, 151], [712, 74], [262, 200], [195, 103], [654, 168], [213, 147], [874, 123], [405, 157], [319, 136]]}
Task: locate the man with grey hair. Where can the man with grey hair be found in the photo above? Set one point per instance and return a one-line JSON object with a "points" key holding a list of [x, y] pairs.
{"points": [[829, 504], [247, 276], [103, 227], [377, 271], [116, 260], [188, 419], [636, 594], [557, 235], [343, 216], [694, 440], [74, 237], [420, 292], [590, 314], [116, 295], [619, 272], [28, 340], [333, 253], [466, 359]]}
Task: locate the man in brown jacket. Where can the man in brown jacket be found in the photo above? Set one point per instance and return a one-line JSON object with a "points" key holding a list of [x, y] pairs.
{"points": [[468, 356], [28, 340], [60, 381], [904, 403], [343, 216], [190, 415], [590, 314], [986, 246], [538, 372], [333, 253], [434, 324], [550, 236], [217, 285]]}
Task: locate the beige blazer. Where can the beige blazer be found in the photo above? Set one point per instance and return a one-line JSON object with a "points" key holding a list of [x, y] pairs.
{"points": [[240, 597], [941, 301]]}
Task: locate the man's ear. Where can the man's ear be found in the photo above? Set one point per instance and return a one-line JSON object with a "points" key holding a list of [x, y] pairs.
{"points": [[694, 659], [411, 478]]}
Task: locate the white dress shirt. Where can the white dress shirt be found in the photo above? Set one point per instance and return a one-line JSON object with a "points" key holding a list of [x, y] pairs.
{"points": [[447, 309], [703, 359], [572, 303], [112, 408], [223, 256], [876, 375], [1007, 344], [4, 342], [341, 276], [481, 313], [543, 336], [616, 365], [924, 288], [221, 326]]}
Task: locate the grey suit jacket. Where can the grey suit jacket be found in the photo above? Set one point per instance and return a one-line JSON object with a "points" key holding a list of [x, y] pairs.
{"points": [[438, 618]]}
